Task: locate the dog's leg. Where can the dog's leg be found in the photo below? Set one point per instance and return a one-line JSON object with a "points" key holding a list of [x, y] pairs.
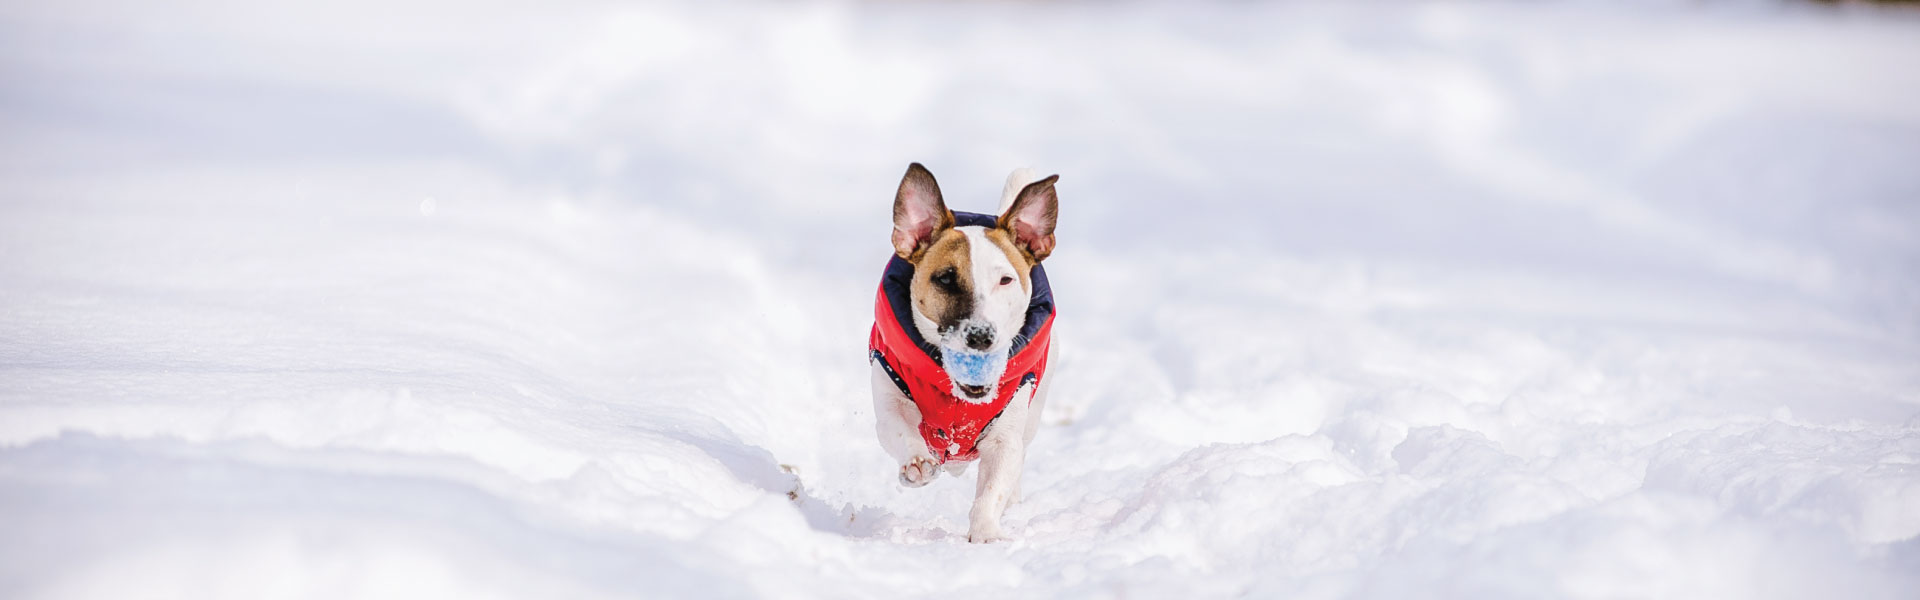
{"points": [[1003, 453], [1034, 410], [897, 421]]}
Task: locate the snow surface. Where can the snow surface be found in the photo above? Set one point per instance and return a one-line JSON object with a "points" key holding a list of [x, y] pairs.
{"points": [[1381, 300]]}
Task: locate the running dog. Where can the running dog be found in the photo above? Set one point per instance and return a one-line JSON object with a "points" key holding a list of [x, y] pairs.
{"points": [[962, 336]]}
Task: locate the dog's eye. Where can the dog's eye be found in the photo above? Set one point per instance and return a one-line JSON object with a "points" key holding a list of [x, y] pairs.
{"points": [[1005, 280], [944, 278]]}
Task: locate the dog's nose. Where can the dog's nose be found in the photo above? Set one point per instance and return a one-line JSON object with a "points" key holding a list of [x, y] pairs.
{"points": [[979, 339]]}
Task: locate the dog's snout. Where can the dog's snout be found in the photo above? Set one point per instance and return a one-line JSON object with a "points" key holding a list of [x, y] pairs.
{"points": [[979, 339]]}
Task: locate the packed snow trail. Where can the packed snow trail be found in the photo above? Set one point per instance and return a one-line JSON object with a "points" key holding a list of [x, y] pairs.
{"points": [[1385, 301]]}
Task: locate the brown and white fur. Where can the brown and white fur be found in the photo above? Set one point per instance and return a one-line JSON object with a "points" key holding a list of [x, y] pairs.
{"points": [[970, 289]]}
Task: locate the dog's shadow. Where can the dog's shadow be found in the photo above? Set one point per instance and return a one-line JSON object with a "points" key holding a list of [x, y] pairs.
{"points": [[758, 467]]}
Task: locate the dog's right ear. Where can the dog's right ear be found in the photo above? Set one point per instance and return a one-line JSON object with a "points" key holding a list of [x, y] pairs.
{"points": [[919, 215]]}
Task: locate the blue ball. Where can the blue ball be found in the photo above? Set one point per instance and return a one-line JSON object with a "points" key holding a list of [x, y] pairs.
{"points": [[971, 367]]}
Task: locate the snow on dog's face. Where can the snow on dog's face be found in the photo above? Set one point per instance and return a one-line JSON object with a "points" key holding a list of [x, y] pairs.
{"points": [[971, 285]]}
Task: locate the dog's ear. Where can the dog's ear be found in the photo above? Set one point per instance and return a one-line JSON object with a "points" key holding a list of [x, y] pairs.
{"points": [[919, 214], [1029, 221]]}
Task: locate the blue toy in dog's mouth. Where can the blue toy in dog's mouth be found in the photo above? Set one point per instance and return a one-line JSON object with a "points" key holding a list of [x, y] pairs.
{"points": [[973, 368]]}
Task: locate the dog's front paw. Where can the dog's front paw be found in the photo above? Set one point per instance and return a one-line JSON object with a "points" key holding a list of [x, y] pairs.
{"points": [[986, 534], [918, 472]]}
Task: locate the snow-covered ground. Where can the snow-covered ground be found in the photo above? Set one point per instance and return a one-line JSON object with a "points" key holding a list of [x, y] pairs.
{"points": [[354, 299]]}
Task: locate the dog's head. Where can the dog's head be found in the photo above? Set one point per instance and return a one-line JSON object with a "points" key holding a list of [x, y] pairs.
{"points": [[971, 285]]}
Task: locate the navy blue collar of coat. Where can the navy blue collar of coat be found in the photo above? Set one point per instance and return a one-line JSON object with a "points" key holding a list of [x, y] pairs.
{"points": [[898, 280]]}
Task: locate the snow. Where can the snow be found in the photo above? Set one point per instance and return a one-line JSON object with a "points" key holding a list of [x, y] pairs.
{"points": [[1378, 300]]}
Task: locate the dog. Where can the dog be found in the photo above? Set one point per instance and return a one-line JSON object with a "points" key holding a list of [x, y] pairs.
{"points": [[962, 337]]}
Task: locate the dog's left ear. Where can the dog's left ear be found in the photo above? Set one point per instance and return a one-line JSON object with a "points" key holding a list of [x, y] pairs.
{"points": [[1031, 217]]}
